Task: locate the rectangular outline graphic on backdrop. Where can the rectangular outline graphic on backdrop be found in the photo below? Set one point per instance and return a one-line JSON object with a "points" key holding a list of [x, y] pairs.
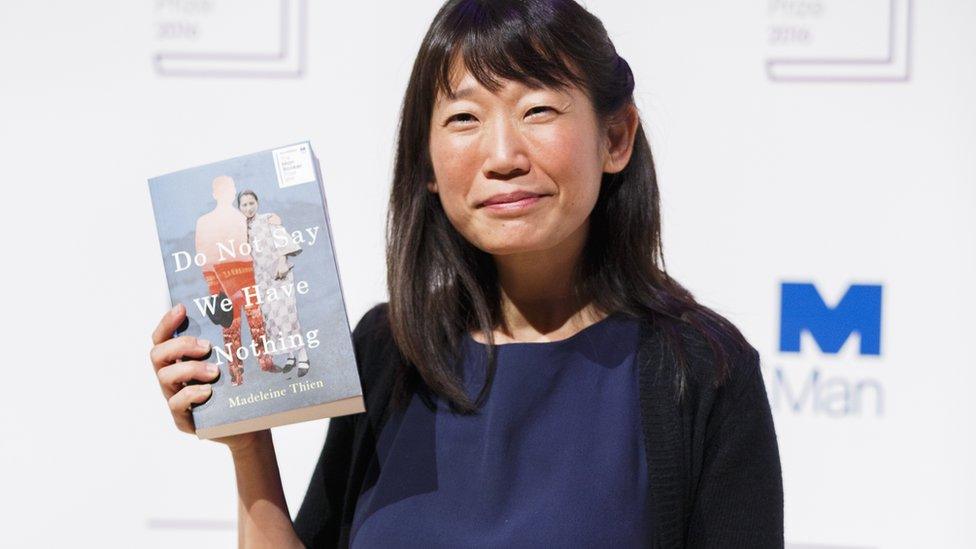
{"points": [[820, 70], [291, 41]]}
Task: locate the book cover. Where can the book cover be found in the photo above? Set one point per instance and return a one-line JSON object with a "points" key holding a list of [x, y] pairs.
{"points": [[247, 248]]}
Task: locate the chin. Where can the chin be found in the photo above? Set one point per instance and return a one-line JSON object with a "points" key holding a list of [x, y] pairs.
{"points": [[509, 247]]}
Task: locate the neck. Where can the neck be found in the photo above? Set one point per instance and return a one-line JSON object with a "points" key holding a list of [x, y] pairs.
{"points": [[537, 291]]}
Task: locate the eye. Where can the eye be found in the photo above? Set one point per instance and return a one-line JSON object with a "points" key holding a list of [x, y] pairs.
{"points": [[541, 108], [459, 116]]}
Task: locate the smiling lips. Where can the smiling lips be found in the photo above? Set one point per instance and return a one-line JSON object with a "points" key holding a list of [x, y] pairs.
{"points": [[511, 198]]}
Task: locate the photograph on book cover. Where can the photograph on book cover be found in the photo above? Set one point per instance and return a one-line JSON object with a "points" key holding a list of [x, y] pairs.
{"points": [[247, 249]]}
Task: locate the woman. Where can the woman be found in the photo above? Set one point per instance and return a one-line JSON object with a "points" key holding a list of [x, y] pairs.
{"points": [[536, 377], [272, 271]]}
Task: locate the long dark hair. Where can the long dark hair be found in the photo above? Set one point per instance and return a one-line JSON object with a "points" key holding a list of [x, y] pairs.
{"points": [[440, 285]]}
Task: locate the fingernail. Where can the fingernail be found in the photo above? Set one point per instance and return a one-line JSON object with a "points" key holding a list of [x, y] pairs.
{"points": [[204, 388], [175, 310], [211, 369], [203, 344]]}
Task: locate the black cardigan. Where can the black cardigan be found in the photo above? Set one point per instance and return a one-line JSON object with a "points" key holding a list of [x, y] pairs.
{"points": [[713, 458]]}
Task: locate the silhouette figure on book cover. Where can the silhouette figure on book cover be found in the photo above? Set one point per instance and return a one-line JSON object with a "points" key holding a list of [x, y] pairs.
{"points": [[221, 236], [271, 246]]}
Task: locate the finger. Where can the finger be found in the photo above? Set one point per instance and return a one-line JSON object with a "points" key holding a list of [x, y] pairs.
{"points": [[171, 350], [172, 378], [180, 403], [168, 324]]}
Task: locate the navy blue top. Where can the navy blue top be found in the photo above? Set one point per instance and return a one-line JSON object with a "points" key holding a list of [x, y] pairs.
{"points": [[555, 457]]}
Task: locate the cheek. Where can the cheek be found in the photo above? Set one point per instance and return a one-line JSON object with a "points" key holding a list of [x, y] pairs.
{"points": [[456, 166], [572, 160], [454, 158]]}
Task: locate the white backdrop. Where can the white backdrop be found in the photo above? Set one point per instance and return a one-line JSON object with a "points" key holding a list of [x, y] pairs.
{"points": [[821, 142]]}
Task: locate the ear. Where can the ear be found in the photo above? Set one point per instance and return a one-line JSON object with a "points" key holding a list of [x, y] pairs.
{"points": [[619, 138], [432, 186]]}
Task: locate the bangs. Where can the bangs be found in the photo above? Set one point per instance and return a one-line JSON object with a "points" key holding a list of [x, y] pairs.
{"points": [[505, 41]]}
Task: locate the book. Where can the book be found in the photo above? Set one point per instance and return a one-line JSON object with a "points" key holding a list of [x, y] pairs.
{"points": [[247, 248]]}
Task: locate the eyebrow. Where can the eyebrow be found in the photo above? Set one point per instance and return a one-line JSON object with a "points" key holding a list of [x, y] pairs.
{"points": [[462, 93], [459, 94]]}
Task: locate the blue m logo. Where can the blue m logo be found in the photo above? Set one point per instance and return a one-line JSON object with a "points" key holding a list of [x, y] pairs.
{"points": [[802, 308]]}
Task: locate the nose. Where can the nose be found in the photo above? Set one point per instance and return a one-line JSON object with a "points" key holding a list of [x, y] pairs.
{"points": [[506, 154]]}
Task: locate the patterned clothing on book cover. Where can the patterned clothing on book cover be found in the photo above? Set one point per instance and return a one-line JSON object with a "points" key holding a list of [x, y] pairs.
{"points": [[280, 314]]}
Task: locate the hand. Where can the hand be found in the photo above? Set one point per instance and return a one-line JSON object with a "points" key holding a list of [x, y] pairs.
{"points": [[283, 268], [167, 357]]}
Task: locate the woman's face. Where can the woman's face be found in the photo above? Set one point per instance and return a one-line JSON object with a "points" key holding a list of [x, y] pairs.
{"points": [[545, 142], [248, 206]]}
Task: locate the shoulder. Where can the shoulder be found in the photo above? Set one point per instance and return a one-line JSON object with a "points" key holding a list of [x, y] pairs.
{"points": [[372, 323], [373, 341], [708, 351], [270, 218], [378, 359]]}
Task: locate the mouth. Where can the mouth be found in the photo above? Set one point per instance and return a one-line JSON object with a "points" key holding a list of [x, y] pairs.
{"points": [[515, 207], [509, 200]]}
